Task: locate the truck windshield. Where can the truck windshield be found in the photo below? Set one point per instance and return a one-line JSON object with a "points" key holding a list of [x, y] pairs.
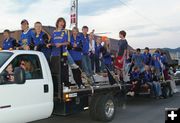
{"points": [[4, 56]]}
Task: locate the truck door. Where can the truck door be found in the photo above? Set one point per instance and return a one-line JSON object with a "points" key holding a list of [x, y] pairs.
{"points": [[30, 101]]}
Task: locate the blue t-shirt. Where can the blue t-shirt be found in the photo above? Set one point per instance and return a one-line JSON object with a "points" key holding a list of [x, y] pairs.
{"points": [[147, 58], [9, 43], [163, 59], [76, 55], [59, 37], [26, 38], [39, 40], [147, 77], [107, 58], [98, 49], [134, 75], [156, 60], [138, 60], [85, 44]]}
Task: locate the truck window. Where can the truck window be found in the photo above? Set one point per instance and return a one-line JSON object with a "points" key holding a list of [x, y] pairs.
{"points": [[31, 65], [4, 56]]}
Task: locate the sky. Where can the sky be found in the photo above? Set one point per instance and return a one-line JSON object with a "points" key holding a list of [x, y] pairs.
{"points": [[148, 23]]}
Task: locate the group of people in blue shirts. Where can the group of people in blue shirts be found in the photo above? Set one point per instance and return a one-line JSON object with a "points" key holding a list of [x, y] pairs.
{"points": [[147, 69], [80, 50]]}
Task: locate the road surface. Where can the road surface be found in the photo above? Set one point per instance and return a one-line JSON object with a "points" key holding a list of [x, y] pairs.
{"points": [[138, 110]]}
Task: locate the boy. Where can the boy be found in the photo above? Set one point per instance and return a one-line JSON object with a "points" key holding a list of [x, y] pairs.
{"points": [[147, 56], [86, 61], [41, 40], [138, 60], [122, 50], [8, 43], [121, 55], [25, 41]]}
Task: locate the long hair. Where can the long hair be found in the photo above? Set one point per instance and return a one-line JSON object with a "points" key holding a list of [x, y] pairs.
{"points": [[59, 20]]}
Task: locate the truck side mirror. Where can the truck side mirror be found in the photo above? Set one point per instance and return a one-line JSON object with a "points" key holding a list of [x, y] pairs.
{"points": [[19, 75]]}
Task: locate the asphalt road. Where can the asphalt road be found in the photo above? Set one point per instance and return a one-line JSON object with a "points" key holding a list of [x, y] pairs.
{"points": [[138, 110]]}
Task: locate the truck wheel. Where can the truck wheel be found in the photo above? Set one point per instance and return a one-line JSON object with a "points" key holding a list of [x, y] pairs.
{"points": [[106, 108], [93, 107]]}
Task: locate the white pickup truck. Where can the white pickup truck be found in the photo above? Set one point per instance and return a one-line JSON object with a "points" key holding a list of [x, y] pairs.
{"points": [[42, 94]]}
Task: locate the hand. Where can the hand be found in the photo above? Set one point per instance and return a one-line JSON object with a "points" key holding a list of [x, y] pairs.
{"points": [[35, 48], [58, 45], [75, 45], [26, 48], [48, 45], [120, 61]]}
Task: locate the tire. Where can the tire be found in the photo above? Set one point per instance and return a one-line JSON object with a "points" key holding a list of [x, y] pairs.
{"points": [[106, 108], [93, 107]]}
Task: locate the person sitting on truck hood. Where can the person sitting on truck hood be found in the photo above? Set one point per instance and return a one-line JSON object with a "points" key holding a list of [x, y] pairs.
{"points": [[27, 66], [25, 41], [9, 42], [40, 40]]}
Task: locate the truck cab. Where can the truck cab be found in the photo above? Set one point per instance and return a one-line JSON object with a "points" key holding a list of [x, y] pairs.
{"points": [[35, 90], [25, 99]]}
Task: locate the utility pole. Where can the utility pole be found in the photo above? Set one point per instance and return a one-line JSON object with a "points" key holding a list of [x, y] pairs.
{"points": [[77, 13]]}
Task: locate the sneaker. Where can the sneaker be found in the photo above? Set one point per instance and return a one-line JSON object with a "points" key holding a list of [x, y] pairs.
{"points": [[129, 93], [82, 87], [132, 93], [74, 66]]}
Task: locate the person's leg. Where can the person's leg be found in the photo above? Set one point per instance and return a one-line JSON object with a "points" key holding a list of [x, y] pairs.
{"points": [[173, 86], [156, 91], [79, 63], [85, 64], [152, 88], [77, 77], [65, 73], [159, 89], [97, 64], [92, 59], [89, 67]]}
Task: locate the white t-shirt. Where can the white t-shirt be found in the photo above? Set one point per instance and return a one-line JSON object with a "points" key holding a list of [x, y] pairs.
{"points": [[92, 46]]}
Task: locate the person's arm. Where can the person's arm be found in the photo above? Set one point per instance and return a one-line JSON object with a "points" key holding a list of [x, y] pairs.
{"points": [[125, 51], [14, 43], [66, 41]]}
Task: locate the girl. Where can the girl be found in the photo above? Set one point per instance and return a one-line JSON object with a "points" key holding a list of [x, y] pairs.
{"points": [[76, 47], [76, 54]]}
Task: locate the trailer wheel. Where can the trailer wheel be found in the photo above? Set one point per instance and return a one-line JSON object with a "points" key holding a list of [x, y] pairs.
{"points": [[106, 108], [93, 107]]}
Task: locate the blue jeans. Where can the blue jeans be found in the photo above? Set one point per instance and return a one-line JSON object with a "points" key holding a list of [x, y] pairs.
{"points": [[86, 65], [157, 88], [70, 59]]}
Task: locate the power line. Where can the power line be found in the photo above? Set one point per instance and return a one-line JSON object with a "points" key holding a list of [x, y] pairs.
{"points": [[139, 14]]}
